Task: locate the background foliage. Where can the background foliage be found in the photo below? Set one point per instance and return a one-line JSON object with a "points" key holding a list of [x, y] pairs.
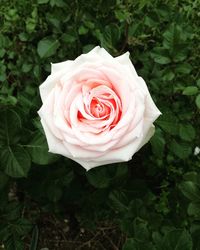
{"points": [[154, 199]]}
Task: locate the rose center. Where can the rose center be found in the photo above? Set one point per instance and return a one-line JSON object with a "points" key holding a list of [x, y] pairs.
{"points": [[99, 109]]}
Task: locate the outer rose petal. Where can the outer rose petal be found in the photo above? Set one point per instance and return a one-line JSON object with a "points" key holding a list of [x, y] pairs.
{"points": [[87, 138], [54, 144]]}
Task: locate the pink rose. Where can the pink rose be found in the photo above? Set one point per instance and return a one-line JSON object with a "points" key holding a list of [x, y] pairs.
{"points": [[96, 109]]}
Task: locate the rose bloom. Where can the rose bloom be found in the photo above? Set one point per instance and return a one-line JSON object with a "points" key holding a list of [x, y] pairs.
{"points": [[96, 110]]}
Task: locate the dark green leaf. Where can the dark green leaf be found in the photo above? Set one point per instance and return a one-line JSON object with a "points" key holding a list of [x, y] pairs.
{"points": [[10, 126], [99, 177], [187, 132], [194, 210], [118, 201], [158, 144], [182, 150], [38, 150], [177, 240], [15, 161], [110, 36], [169, 124], [190, 190]]}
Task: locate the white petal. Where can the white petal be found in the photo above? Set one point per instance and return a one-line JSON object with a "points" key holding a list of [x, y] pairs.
{"points": [[55, 145], [55, 67]]}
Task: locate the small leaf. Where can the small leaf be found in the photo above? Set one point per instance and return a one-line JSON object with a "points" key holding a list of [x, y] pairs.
{"points": [[190, 90], [182, 150], [187, 132], [161, 59], [169, 123], [183, 68], [194, 210], [110, 36], [118, 201], [190, 190], [47, 47], [160, 55], [197, 101]]}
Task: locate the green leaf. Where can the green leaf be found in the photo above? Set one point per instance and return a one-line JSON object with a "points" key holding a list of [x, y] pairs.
{"points": [[177, 240], [169, 123], [42, 1], [141, 232], [10, 126], [172, 36], [197, 101], [168, 76], [38, 150], [158, 144], [182, 150], [161, 59], [194, 210], [198, 83], [187, 132], [190, 190], [47, 47], [160, 55], [183, 68], [190, 90], [132, 244], [118, 201], [110, 36], [99, 177], [16, 161]]}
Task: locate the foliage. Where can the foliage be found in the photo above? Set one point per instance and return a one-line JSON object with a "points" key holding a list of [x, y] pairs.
{"points": [[154, 198]]}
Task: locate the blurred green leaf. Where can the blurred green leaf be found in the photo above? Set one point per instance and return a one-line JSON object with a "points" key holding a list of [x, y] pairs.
{"points": [[47, 47], [190, 90], [177, 239], [198, 101]]}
